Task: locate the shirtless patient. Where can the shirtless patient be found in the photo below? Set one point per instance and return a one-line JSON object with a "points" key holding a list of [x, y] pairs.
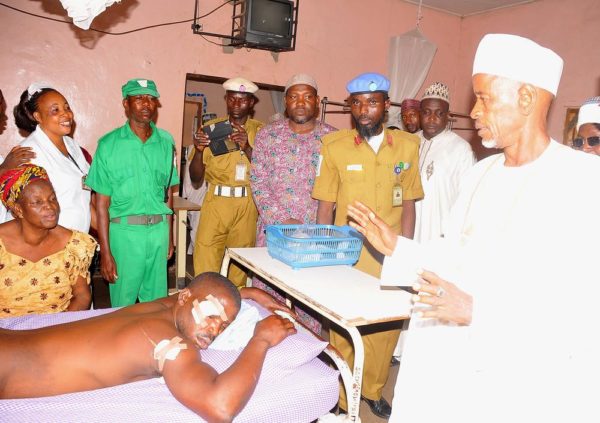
{"points": [[121, 347]]}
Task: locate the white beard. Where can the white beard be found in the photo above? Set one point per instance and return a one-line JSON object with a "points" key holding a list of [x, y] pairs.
{"points": [[489, 143]]}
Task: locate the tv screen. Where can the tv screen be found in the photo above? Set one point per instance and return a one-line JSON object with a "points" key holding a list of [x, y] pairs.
{"points": [[269, 22], [271, 17]]}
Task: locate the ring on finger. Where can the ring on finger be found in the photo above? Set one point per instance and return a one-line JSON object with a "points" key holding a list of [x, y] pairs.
{"points": [[440, 292]]}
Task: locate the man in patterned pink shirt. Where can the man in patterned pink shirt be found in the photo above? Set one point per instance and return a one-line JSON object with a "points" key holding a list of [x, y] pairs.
{"points": [[285, 159], [284, 163]]}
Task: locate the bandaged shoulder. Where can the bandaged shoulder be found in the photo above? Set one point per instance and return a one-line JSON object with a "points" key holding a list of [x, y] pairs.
{"points": [[168, 350]]}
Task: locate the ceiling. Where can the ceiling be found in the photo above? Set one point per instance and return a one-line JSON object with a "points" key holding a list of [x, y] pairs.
{"points": [[468, 7]]}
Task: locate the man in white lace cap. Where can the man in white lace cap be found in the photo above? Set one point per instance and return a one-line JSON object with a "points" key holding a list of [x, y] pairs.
{"points": [[443, 159], [588, 127], [504, 330]]}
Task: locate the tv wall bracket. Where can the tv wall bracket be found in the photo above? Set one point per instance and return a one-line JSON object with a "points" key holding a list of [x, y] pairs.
{"points": [[237, 38]]}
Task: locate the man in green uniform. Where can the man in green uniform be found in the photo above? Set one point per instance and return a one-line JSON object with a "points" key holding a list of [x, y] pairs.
{"points": [[378, 167], [132, 171], [228, 217]]}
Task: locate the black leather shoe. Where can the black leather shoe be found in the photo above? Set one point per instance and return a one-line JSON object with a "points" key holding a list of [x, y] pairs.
{"points": [[381, 408]]}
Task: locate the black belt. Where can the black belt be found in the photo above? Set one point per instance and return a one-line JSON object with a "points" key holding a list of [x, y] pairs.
{"points": [[144, 219]]}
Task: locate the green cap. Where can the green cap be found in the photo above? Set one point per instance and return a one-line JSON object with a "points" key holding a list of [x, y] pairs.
{"points": [[139, 86]]}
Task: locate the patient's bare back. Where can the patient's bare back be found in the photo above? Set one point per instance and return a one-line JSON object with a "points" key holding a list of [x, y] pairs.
{"points": [[103, 351]]}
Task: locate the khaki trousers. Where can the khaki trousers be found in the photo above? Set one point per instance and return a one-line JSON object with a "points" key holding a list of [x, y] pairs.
{"points": [[379, 346], [224, 222]]}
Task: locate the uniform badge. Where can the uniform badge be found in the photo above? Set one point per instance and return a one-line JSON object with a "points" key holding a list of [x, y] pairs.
{"points": [[400, 167]]}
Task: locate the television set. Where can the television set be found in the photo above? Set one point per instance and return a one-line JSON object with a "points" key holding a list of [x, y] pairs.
{"points": [[269, 24]]}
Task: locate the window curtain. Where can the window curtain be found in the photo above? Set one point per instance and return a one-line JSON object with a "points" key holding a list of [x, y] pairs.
{"points": [[409, 60], [278, 106]]}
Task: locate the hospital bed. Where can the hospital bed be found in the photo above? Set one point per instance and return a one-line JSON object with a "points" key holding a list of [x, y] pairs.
{"points": [[294, 386]]}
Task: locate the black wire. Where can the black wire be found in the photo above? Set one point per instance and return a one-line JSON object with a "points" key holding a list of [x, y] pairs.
{"points": [[119, 33], [212, 42]]}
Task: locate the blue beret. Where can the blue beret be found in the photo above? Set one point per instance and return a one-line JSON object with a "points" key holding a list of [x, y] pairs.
{"points": [[368, 82]]}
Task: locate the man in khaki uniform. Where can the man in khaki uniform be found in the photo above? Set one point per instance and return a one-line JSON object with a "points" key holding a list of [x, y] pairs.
{"points": [[378, 167], [228, 217]]}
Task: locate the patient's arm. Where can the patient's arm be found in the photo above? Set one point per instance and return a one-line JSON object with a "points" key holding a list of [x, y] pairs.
{"points": [[264, 299], [220, 397]]}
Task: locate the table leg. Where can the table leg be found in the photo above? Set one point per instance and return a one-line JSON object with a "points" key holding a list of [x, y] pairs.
{"points": [[180, 253], [225, 264], [353, 390]]}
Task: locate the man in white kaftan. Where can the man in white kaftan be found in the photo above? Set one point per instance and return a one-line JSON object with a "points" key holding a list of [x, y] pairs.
{"points": [[443, 159], [515, 339], [515, 245]]}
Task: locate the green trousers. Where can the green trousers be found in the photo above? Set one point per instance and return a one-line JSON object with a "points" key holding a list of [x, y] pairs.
{"points": [[140, 252]]}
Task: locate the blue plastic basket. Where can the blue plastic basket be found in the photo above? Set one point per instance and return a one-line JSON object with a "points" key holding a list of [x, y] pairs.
{"points": [[314, 245]]}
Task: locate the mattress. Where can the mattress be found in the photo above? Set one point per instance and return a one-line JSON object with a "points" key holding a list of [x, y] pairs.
{"points": [[294, 386]]}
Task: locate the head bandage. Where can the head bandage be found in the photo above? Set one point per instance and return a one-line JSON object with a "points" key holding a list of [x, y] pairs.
{"points": [[168, 350], [209, 307], [520, 59]]}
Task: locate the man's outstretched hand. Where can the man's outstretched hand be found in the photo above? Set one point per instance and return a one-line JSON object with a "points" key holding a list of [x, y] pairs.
{"points": [[378, 233]]}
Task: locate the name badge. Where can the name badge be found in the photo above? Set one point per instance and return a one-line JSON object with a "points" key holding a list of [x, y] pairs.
{"points": [[354, 167], [240, 171], [397, 196]]}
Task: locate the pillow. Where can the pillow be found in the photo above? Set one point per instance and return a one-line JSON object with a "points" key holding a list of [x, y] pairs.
{"points": [[237, 335], [283, 359]]}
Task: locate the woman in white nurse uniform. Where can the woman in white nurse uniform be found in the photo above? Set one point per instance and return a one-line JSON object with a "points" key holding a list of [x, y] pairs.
{"points": [[46, 115]]}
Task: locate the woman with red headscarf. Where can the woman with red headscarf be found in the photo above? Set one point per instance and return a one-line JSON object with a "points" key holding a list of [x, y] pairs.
{"points": [[43, 266]]}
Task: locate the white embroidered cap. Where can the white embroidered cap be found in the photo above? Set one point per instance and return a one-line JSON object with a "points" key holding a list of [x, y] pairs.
{"points": [[589, 112], [520, 59], [437, 90]]}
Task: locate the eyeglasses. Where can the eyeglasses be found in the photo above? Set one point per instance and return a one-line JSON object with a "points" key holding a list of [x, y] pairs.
{"points": [[591, 141]]}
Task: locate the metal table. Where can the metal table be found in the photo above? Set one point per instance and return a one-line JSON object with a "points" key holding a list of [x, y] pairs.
{"points": [[342, 294]]}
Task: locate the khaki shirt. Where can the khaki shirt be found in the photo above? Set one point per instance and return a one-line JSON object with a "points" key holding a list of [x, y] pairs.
{"points": [[350, 170], [220, 170]]}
